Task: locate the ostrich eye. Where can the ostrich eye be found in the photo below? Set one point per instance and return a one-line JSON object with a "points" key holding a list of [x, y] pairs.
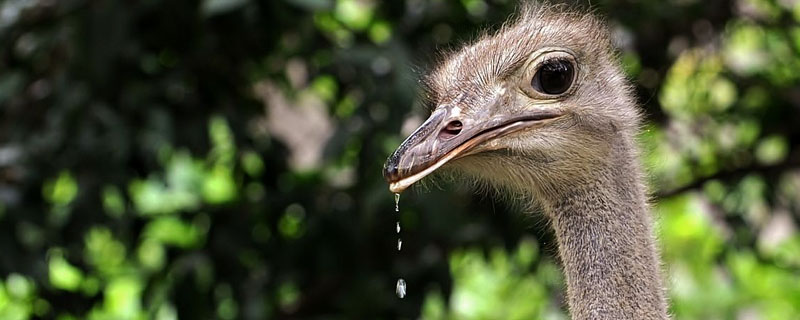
{"points": [[553, 77]]}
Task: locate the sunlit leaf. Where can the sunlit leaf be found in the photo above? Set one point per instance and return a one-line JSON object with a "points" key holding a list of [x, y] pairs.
{"points": [[62, 274], [380, 32], [356, 14], [113, 203], [151, 254], [481, 287], [325, 87], [103, 251], [772, 149], [476, 8], [62, 191], [223, 147], [219, 186], [252, 164], [173, 231], [123, 298]]}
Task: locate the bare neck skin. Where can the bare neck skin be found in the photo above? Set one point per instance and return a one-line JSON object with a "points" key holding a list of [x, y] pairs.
{"points": [[606, 245]]}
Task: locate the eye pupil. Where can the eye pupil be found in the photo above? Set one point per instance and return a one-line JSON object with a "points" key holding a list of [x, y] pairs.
{"points": [[553, 77]]}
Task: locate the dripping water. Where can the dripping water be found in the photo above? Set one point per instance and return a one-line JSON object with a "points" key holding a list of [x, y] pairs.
{"points": [[400, 287]]}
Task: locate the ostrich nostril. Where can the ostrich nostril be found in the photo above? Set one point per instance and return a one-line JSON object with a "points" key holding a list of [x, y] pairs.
{"points": [[390, 171], [452, 129]]}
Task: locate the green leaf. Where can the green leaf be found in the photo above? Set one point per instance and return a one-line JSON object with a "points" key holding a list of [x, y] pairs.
{"points": [[62, 274]]}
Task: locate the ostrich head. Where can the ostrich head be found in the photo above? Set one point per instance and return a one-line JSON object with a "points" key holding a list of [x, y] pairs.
{"points": [[542, 111], [536, 107]]}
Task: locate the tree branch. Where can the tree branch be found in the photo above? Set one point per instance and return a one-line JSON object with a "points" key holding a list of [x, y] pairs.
{"points": [[727, 175]]}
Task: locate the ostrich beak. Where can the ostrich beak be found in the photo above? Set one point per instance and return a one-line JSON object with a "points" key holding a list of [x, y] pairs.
{"points": [[449, 135]]}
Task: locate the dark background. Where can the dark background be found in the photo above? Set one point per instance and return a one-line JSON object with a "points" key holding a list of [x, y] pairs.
{"points": [[222, 159]]}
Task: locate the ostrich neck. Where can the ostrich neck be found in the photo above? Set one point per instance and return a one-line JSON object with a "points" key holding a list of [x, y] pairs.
{"points": [[606, 245]]}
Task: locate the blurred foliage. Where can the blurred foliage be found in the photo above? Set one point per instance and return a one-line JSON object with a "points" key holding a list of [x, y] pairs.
{"points": [[222, 158]]}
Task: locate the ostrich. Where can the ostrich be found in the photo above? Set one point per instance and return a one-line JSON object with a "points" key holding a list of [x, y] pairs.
{"points": [[541, 111]]}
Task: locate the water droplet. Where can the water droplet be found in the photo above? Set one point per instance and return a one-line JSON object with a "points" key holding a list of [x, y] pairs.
{"points": [[400, 288]]}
